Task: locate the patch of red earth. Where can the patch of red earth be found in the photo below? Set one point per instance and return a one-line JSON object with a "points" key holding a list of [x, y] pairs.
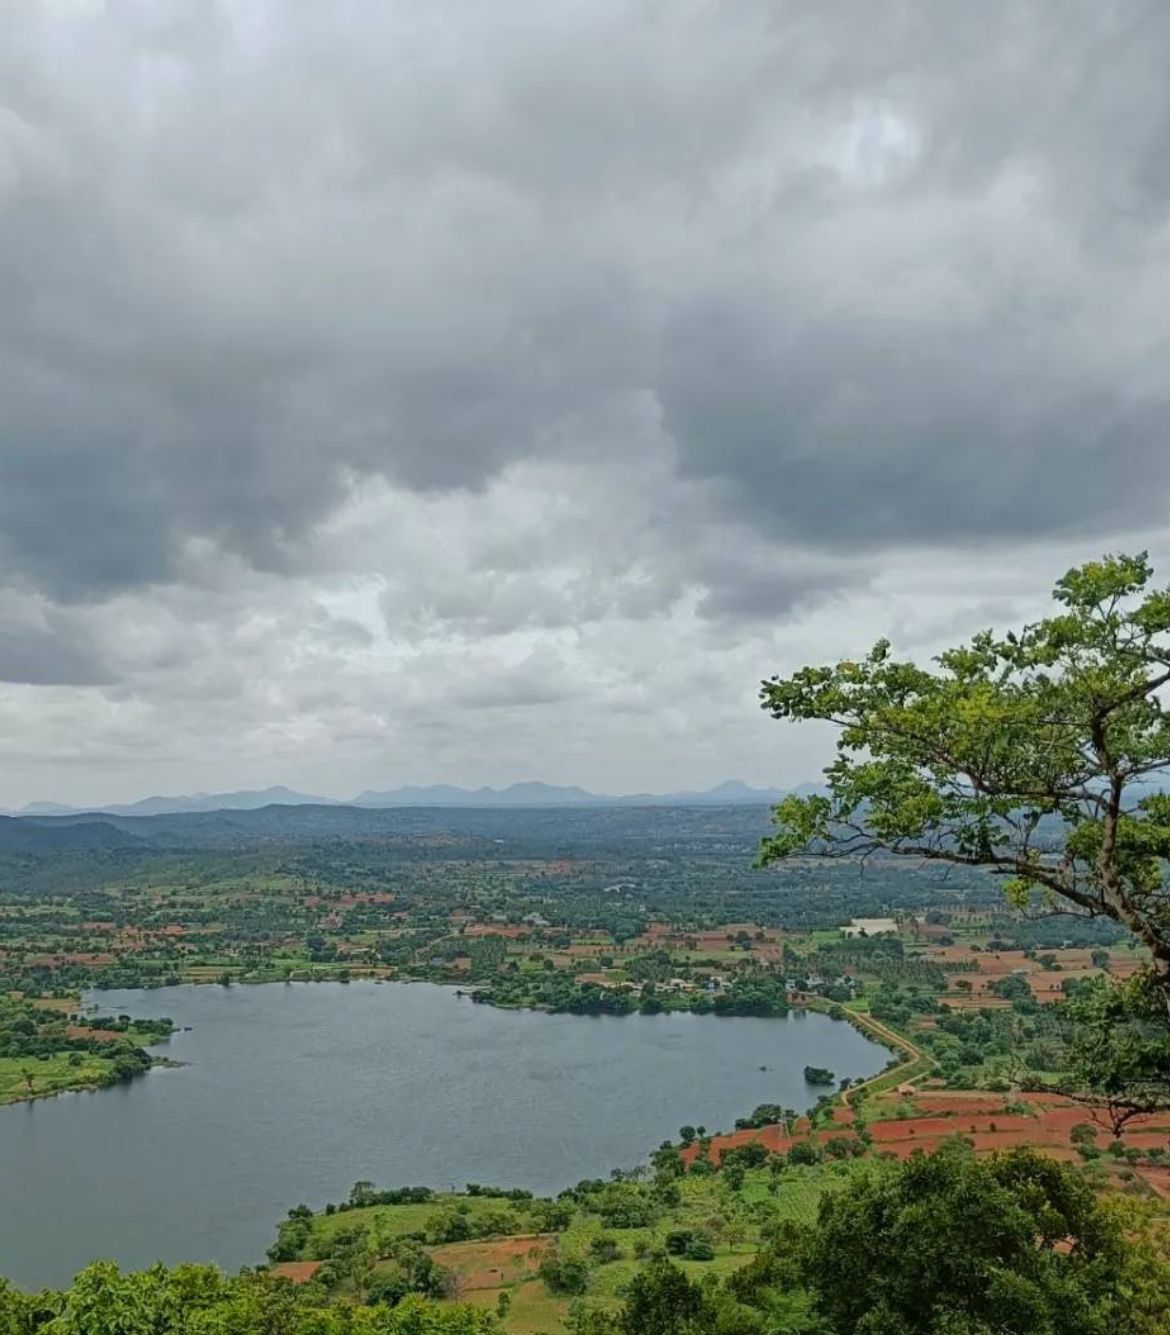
{"points": [[72, 957], [941, 1127], [496, 929], [1156, 1178], [972, 1104], [979, 1117], [299, 1272], [491, 1264], [771, 1137], [997, 963], [930, 931], [81, 1031]]}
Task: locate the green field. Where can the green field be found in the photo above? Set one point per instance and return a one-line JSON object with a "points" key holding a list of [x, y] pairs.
{"points": [[49, 1075], [505, 1261]]}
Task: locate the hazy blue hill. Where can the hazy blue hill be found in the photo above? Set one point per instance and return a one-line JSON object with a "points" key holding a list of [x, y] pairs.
{"points": [[530, 794], [545, 828], [247, 799], [30, 836], [730, 793]]}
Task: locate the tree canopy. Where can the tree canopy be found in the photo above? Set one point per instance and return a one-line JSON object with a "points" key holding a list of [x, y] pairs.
{"points": [[943, 1244], [948, 1242], [201, 1300], [1032, 753], [1119, 1050]]}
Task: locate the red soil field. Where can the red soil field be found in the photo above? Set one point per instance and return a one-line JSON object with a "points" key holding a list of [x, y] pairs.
{"points": [[1156, 1178], [972, 1104], [979, 1117], [72, 957], [81, 1031], [489, 1264], [300, 1272]]}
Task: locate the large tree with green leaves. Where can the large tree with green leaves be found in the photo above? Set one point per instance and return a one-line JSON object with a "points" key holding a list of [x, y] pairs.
{"points": [[951, 1243], [1033, 753], [1118, 1052]]}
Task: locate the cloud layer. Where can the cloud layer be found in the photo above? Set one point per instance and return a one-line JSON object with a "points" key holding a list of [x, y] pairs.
{"points": [[395, 393]]}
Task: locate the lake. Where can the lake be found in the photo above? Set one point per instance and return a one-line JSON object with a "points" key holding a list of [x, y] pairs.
{"points": [[291, 1092]]}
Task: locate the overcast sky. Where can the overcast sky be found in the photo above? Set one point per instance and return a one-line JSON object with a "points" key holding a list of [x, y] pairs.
{"points": [[410, 392]]}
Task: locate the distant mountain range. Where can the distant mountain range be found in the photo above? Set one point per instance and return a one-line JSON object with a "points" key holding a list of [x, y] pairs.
{"points": [[516, 831], [730, 793]]}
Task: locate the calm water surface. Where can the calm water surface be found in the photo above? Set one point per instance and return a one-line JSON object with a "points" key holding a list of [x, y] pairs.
{"points": [[292, 1092]]}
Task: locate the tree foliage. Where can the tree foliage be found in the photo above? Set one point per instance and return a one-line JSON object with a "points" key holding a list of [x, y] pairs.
{"points": [[952, 1243], [1029, 753], [1119, 1052], [201, 1300]]}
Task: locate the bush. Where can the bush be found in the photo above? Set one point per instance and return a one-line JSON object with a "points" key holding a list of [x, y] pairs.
{"points": [[564, 1275], [604, 1249], [804, 1152], [839, 1147], [678, 1240]]}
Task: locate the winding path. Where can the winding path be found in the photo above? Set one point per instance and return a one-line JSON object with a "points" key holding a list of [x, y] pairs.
{"points": [[913, 1053]]}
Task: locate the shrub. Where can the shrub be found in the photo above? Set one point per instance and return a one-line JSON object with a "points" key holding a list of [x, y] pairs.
{"points": [[562, 1275], [699, 1249], [678, 1240], [604, 1249], [804, 1152]]}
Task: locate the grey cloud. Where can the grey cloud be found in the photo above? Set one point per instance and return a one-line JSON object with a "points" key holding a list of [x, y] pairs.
{"points": [[885, 269], [837, 433], [745, 579], [47, 649], [521, 688]]}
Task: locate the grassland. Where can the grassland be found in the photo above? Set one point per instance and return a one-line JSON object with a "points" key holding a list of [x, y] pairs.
{"points": [[733, 1219], [23, 1078]]}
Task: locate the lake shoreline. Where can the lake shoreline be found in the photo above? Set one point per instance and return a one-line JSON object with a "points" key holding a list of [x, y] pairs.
{"points": [[292, 1096]]}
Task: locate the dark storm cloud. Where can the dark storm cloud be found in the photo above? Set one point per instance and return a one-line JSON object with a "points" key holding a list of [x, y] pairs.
{"points": [[837, 433], [889, 273], [48, 651]]}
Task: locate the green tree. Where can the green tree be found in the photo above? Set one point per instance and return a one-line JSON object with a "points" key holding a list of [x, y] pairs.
{"points": [[972, 760], [662, 1301], [200, 1300], [564, 1274], [1119, 1051], [950, 1243]]}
